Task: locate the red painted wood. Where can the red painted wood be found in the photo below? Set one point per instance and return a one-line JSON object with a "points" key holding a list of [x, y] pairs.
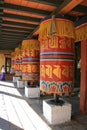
{"points": [[83, 87]]}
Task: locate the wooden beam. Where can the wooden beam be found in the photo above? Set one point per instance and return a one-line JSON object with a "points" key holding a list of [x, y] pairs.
{"points": [[1, 12], [60, 7], [9, 47], [16, 28], [47, 2], [53, 13], [24, 9], [64, 8], [9, 43], [19, 24], [1, 1], [8, 39], [69, 6], [22, 18], [80, 8], [11, 36], [30, 35], [13, 33]]}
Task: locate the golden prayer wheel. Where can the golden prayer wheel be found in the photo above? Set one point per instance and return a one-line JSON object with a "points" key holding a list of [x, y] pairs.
{"points": [[57, 53], [30, 59], [81, 29]]}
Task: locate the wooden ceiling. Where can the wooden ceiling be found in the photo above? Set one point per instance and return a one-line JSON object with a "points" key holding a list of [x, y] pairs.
{"points": [[20, 19]]}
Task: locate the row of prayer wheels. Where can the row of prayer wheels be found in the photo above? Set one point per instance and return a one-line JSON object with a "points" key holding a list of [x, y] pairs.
{"points": [[49, 59], [25, 60]]}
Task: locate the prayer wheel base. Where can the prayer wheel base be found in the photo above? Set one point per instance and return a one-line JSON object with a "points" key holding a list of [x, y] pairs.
{"points": [[15, 78], [20, 84], [56, 102], [32, 92], [57, 114]]}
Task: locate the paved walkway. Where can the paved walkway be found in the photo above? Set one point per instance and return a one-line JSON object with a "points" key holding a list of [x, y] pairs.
{"points": [[20, 113]]}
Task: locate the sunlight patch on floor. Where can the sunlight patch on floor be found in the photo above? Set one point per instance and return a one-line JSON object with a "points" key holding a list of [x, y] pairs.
{"points": [[6, 83], [19, 112]]}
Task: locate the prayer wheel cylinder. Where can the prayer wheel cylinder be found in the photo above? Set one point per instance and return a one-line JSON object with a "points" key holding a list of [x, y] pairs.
{"points": [[12, 60], [20, 61], [30, 59], [17, 62], [57, 56]]}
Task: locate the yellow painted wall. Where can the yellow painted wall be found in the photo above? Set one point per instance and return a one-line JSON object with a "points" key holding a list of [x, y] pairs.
{"points": [[2, 60]]}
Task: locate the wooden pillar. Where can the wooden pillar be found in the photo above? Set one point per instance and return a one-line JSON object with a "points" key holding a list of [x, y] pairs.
{"points": [[83, 86]]}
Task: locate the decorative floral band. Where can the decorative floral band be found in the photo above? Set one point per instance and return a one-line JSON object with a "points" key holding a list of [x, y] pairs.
{"points": [[55, 87]]}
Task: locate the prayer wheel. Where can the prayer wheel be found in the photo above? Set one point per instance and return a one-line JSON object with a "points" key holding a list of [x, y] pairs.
{"points": [[12, 60], [81, 29], [20, 61], [30, 60], [57, 53], [17, 62]]}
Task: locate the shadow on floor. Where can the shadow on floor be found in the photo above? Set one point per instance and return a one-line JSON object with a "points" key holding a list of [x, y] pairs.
{"points": [[6, 125]]}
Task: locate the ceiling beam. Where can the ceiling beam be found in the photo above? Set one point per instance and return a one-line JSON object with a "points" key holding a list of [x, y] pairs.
{"points": [[24, 9], [16, 28], [11, 36], [13, 33], [80, 8], [47, 2], [19, 17], [0, 21], [53, 13], [30, 35], [1, 12], [19, 24], [7, 39], [68, 6], [1, 1], [5, 45], [9, 42], [9, 48], [18, 31]]}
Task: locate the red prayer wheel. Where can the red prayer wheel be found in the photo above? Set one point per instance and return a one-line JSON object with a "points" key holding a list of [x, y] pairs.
{"points": [[17, 62], [30, 59], [57, 56], [12, 60]]}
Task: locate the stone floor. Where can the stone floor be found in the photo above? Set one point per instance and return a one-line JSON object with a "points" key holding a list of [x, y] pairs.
{"points": [[20, 113]]}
